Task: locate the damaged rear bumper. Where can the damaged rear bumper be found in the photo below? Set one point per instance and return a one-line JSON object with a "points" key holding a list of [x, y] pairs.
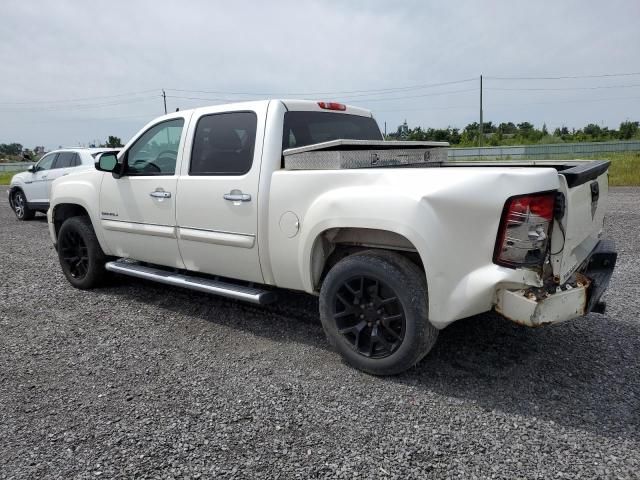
{"points": [[534, 307]]}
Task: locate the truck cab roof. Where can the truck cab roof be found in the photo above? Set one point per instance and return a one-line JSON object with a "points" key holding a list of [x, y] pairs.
{"points": [[291, 105]]}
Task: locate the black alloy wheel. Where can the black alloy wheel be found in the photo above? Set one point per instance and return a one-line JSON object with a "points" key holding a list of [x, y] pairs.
{"points": [[81, 258], [74, 253], [374, 310], [369, 315]]}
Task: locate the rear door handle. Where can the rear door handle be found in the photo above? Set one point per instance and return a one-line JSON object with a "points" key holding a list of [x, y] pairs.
{"points": [[160, 194], [237, 196]]}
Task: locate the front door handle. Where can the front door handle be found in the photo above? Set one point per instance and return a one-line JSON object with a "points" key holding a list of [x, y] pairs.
{"points": [[160, 194], [237, 196]]}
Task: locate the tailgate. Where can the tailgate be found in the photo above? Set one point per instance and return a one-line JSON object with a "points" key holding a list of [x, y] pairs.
{"points": [[575, 235]]}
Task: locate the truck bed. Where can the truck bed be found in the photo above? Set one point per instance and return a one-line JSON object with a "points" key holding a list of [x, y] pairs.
{"points": [[576, 172], [347, 154]]}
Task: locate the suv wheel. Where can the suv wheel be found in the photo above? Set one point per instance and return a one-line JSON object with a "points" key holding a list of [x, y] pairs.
{"points": [[80, 254], [373, 307], [20, 208]]}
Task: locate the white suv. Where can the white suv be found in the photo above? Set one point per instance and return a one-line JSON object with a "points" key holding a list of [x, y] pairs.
{"points": [[29, 191]]}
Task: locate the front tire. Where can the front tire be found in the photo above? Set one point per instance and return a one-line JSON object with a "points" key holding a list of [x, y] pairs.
{"points": [[373, 307], [81, 257], [20, 206]]}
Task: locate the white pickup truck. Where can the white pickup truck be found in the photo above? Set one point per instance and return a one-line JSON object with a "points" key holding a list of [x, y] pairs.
{"points": [[240, 200]]}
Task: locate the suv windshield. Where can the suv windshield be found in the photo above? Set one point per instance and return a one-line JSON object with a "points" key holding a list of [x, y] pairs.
{"points": [[307, 128]]}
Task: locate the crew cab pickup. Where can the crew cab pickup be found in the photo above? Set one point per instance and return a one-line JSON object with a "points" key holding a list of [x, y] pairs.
{"points": [[244, 199]]}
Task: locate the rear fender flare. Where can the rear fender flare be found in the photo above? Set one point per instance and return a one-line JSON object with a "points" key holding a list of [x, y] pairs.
{"points": [[342, 208]]}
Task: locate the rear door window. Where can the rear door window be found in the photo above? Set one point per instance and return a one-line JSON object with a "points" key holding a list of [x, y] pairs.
{"points": [[66, 160], [224, 144]]}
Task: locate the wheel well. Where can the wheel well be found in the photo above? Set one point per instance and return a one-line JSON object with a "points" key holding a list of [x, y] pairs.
{"points": [[64, 211], [334, 244]]}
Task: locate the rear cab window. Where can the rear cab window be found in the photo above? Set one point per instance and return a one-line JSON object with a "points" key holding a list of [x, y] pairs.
{"points": [[307, 128]]}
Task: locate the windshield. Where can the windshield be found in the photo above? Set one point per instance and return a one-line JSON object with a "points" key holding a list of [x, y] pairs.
{"points": [[307, 128]]}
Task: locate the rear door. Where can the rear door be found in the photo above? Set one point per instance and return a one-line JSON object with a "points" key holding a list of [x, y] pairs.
{"points": [[137, 210], [585, 189], [217, 210], [62, 165]]}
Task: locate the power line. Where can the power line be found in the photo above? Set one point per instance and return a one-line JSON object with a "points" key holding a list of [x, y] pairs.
{"points": [[95, 119], [255, 94], [564, 77], [345, 92], [565, 88], [79, 99], [353, 93], [437, 94], [422, 109], [207, 99], [589, 100], [86, 106]]}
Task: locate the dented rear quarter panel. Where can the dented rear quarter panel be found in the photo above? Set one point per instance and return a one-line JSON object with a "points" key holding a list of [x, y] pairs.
{"points": [[450, 215]]}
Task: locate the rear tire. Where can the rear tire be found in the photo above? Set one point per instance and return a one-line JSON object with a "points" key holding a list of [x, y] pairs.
{"points": [[81, 257], [20, 206], [374, 307]]}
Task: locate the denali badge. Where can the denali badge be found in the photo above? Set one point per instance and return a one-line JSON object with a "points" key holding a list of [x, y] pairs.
{"points": [[109, 214]]}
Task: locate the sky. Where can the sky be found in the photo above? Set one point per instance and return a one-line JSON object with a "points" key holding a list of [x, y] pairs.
{"points": [[74, 72]]}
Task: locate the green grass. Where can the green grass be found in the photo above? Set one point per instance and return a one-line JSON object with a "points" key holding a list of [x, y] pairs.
{"points": [[5, 177], [624, 169]]}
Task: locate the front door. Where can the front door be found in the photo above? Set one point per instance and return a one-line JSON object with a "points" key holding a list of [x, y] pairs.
{"points": [[217, 212], [138, 210], [37, 190]]}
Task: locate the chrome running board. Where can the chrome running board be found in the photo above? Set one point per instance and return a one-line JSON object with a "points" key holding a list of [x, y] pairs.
{"points": [[206, 285]]}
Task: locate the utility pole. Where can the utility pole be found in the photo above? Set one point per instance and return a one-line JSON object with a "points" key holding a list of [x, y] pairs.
{"points": [[164, 97], [385, 129], [480, 133]]}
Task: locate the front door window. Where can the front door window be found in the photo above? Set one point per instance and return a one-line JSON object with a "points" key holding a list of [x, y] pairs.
{"points": [[46, 162], [156, 151]]}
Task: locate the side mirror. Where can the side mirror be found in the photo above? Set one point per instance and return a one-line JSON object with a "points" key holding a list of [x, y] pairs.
{"points": [[31, 169], [107, 162]]}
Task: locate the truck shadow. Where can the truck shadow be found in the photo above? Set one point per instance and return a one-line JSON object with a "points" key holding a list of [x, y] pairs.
{"points": [[574, 374], [568, 374]]}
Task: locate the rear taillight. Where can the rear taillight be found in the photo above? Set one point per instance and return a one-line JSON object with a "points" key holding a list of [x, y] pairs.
{"points": [[523, 236], [332, 106]]}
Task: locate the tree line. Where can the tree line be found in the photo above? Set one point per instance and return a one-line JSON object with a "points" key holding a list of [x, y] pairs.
{"points": [[10, 148], [17, 150], [509, 133]]}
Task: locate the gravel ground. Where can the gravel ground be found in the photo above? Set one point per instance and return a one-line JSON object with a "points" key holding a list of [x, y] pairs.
{"points": [[142, 380]]}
